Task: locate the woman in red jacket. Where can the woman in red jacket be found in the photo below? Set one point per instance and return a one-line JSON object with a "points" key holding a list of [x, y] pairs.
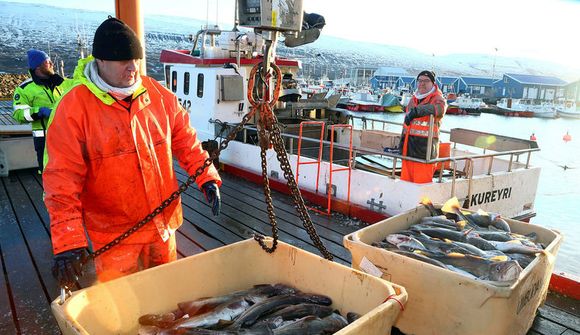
{"points": [[109, 162], [427, 100]]}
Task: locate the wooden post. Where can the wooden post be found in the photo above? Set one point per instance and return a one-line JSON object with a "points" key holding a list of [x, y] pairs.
{"points": [[129, 11]]}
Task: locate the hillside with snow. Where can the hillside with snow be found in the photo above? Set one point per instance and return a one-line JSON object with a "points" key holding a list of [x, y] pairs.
{"points": [[61, 31]]}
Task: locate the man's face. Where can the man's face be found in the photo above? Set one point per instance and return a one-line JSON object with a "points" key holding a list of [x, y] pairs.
{"points": [[121, 73], [424, 84], [46, 68]]}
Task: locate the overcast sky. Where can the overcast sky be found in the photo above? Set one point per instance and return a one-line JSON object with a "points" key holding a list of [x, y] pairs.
{"points": [[539, 29]]}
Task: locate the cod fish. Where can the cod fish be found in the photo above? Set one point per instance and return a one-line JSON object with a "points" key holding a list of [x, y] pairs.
{"points": [[485, 220], [505, 271], [405, 242], [160, 320], [420, 257], [312, 325], [299, 311], [251, 315], [225, 312], [352, 317], [441, 221], [429, 205], [200, 306], [522, 259], [516, 246], [203, 331]]}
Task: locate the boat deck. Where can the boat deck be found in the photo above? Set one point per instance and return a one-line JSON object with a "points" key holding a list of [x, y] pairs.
{"points": [[27, 286]]}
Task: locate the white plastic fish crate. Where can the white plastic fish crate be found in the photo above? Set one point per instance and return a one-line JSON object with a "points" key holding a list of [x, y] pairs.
{"points": [[115, 307], [444, 302]]}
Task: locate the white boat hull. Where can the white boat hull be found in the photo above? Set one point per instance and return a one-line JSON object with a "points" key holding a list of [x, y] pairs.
{"points": [[511, 194]]}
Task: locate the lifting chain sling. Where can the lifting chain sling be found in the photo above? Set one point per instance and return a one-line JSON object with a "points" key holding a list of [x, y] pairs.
{"points": [[269, 133], [270, 136]]}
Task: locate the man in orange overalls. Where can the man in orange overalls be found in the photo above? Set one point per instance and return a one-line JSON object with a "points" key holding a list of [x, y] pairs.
{"points": [[427, 100], [109, 162]]}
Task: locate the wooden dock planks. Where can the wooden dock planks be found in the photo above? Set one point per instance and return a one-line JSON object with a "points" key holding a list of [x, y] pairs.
{"points": [[27, 286]]}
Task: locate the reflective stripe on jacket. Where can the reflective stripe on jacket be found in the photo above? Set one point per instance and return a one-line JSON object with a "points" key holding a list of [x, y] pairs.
{"points": [[106, 168], [433, 104]]}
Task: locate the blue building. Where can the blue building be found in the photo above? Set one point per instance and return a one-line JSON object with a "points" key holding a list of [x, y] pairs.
{"points": [[527, 86], [360, 76], [447, 84], [479, 87], [572, 91], [408, 82], [387, 77]]}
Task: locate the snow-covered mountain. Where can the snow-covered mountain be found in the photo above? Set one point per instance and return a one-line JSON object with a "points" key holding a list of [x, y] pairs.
{"points": [[58, 30]]}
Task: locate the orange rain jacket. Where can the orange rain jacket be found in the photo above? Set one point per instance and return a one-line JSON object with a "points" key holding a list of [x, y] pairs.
{"points": [[415, 136], [106, 168]]}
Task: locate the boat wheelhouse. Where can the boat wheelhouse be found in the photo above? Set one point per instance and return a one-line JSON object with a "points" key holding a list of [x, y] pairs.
{"points": [[351, 164]]}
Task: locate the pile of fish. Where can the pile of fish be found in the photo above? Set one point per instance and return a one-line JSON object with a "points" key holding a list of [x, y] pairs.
{"points": [[479, 245], [262, 310]]}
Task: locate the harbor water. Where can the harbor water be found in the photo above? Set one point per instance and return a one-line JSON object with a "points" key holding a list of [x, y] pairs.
{"points": [[558, 193]]}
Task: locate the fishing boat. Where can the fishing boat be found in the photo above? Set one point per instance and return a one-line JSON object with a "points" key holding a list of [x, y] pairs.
{"points": [[567, 109], [390, 103], [465, 105], [513, 107], [357, 174], [363, 101], [526, 108], [494, 175]]}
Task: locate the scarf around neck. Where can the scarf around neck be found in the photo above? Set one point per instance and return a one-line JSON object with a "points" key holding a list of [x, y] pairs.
{"points": [[422, 96], [119, 93]]}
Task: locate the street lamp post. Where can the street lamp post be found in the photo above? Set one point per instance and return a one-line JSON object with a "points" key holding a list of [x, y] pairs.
{"points": [[493, 67], [432, 61]]}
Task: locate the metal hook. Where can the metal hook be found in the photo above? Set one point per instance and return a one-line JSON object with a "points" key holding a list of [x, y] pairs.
{"points": [[64, 293]]}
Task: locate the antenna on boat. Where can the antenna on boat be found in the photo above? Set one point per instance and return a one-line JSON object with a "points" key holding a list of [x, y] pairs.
{"points": [[217, 6], [236, 18], [207, 13]]}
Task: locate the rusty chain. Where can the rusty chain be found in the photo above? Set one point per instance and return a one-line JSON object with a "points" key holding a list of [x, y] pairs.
{"points": [[270, 135], [184, 186], [279, 148]]}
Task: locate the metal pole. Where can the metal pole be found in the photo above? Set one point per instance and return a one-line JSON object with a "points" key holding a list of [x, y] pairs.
{"points": [[453, 178], [430, 138], [129, 11], [490, 164], [528, 160]]}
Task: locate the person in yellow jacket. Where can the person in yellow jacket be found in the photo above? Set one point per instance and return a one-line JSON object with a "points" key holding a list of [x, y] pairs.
{"points": [[34, 99], [109, 163]]}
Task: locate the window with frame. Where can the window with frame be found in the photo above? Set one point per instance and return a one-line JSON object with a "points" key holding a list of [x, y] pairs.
{"points": [[200, 85], [186, 83], [167, 76], [174, 81]]}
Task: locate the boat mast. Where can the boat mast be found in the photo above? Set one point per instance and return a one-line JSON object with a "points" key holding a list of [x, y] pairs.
{"points": [[129, 11]]}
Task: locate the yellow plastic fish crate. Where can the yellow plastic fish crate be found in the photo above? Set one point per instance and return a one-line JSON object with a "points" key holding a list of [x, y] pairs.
{"points": [[114, 307], [444, 302]]}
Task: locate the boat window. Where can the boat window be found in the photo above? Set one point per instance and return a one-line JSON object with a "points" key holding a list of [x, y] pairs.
{"points": [[186, 83], [174, 81], [200, 85], [167, 73]]}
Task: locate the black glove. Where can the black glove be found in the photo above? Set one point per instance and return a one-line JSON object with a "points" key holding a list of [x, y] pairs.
{"points": [[411, 115], [212, 194], [67, 267]]}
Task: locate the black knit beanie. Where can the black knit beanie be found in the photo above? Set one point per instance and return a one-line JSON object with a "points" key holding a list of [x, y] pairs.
{"points": [[114, 40], [429, 74]]}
